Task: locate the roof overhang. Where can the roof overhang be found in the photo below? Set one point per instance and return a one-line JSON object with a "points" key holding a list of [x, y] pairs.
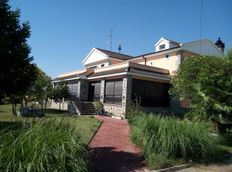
{"points": [[80, 74], [130, 68]]}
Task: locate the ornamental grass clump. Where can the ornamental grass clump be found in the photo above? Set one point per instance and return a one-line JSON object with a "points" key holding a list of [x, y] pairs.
{"points": [[166, 139], [44, 145]]}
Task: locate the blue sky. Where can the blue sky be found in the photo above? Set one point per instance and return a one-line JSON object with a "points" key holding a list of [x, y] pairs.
{"points": [[64, 31]]}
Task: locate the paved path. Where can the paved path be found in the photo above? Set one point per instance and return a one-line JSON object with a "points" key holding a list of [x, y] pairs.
{"points": [[112, 150], [223, 167], [211, 168]]}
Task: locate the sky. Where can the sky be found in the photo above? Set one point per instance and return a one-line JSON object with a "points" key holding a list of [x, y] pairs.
{"points": [[63, 32]]}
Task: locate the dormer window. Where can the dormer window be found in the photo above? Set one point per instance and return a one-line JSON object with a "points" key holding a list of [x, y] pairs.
{"points": [[161, 47], [164, 44]]}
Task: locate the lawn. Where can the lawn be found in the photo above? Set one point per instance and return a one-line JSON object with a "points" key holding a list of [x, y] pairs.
{"points": [[85, 125], [57, 142]]}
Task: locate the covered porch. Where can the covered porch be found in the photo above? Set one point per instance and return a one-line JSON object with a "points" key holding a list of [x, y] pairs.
{"points": [[118, 85]]}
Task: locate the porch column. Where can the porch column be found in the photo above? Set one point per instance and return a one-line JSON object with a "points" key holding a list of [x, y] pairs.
{"points": [[102, 91], [83, 91], [126, 93], [79, 90]]}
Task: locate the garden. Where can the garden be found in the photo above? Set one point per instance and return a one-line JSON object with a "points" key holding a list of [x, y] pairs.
{"points": [[56, 142], [203, 133]]}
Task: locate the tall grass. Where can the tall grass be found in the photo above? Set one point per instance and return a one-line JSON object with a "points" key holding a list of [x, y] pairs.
{"points": [[166, 139], [44, 145]]}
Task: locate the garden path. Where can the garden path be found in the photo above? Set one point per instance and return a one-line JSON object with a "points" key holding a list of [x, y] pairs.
{"points": [[112, 149]]}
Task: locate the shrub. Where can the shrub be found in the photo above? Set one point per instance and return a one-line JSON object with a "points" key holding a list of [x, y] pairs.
{"points": [[133, 111], [207, 82], [99, 107], [164, 139], [45, 145]]}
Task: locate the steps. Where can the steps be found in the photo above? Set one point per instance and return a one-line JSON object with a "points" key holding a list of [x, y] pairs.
{"points": [[81, 108], [87, 108]]}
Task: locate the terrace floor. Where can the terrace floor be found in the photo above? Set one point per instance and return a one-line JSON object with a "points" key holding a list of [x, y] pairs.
{"points": [[112, 150]]}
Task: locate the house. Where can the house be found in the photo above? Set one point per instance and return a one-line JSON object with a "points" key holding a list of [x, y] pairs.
{"points": [[117, 79]]}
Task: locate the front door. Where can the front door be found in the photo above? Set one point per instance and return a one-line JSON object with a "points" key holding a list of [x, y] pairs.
{"points": [[91, 92]]}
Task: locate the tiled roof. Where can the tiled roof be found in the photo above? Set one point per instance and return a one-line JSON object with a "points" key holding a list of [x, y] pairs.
{"points": [[174, 42], [157, 52], [115, 55]]}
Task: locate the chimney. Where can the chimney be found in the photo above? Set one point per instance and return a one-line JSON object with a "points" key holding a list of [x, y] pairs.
{"points": [[220, 45]]}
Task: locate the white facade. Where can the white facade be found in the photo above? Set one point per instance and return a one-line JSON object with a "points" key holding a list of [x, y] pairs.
{"points": [[164, 44], [103, 66], [94, 57], [170, 63]]}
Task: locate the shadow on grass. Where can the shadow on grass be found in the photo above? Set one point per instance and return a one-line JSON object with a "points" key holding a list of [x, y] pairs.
{"points": [[56, 112], [105, 159], [10, 125]]}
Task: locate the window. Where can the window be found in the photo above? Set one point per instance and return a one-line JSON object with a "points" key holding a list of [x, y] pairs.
{"points": [[161, 47], [102, 65], [113, 92], [73, 87], [97, 91], [150, 94]]}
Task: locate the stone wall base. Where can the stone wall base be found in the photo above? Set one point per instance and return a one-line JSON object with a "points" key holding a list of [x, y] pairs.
{"points": [[61, 106], [115, 110]]}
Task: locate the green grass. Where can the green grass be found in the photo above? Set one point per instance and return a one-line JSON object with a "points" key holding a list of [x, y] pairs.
{"points": [[86, 125], [56, 142], [167, 141], [42, 145]]}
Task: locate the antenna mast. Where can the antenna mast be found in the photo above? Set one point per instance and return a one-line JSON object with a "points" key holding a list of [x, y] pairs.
{"points": [[111, 31], [201, 16]]}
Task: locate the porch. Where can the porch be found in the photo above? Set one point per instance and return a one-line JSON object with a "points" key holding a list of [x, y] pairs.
{"points": [[118, 85]]}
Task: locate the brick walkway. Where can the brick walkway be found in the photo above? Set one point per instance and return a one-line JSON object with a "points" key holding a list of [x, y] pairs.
{"points": [[112, 150]]}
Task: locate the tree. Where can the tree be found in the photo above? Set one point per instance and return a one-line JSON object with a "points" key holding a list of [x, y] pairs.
{"points": [[17, 72], [60, 92], [207, 81], [42, 89]]}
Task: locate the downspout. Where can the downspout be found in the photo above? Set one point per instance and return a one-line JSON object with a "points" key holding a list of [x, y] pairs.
{"points": [[145, 60]]}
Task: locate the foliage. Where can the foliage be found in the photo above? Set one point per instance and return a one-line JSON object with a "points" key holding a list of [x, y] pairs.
{"points": [[85, 125], [60, 92], [165, 140], [17, 72], [42, 89], [133, 111], [45, 145], [99, 107], [207, 82]]}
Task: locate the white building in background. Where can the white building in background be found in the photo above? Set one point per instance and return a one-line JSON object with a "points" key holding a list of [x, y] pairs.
{"points": [[116, 79]]}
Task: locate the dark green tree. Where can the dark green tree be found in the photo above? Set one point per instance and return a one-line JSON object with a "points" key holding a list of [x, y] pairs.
{"points": [[42, 89], [207, 81], [17, 72], [60, 92]]}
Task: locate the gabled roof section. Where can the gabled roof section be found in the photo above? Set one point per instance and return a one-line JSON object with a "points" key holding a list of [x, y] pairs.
{"points": [[93, 56], [115, 55], [167, 40], [97, 54]]}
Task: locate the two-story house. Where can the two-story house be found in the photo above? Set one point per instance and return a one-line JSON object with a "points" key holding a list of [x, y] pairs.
{"points": [[117, 79]]}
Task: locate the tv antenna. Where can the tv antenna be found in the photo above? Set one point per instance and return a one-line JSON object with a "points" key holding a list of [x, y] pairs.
{"points": [[110, 41], [201, 21], [119, 48]]}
